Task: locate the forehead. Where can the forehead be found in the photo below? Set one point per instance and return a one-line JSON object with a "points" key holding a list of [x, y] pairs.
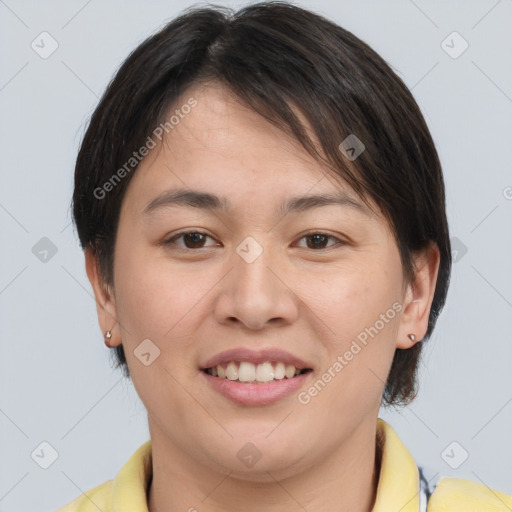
{"points": [[222, 147]]}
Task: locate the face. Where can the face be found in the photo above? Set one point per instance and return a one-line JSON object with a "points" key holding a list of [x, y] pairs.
{"points": [[321, 282]]}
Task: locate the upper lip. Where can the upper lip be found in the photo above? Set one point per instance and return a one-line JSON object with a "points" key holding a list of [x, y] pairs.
{"points": [[256, 357]]}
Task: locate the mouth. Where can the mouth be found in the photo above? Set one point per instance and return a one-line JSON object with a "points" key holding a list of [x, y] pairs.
{"points": [[251, 377], [236, 382], [246, 372]]}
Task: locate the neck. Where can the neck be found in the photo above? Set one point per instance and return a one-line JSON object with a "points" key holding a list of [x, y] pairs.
{"points": [[344, 480]]}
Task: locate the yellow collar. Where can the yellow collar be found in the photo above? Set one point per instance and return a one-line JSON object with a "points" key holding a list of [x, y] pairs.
{"points": [[398, 487], [397, 490], [130, 486]]}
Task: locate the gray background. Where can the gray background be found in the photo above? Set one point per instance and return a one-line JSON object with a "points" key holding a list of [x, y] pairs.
{"points": [[57, 384]]}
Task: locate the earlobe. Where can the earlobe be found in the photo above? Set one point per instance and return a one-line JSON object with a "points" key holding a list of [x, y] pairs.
{"points": [[419, 297], [105, 300], [108, 338]]}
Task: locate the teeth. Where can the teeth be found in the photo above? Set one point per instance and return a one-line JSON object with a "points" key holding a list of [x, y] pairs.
{"points": [[290, 371], [264, 372], [280, 371], [248, 372], [232, 371]]}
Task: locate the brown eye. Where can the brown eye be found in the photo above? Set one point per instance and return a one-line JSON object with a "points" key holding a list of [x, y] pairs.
{"points": [[196, 240], [191, 240], [319, 240]]}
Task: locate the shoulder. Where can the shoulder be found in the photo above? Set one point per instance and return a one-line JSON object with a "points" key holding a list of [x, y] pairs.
{"points": [[90, 501], [127, 492], [460, 495]]}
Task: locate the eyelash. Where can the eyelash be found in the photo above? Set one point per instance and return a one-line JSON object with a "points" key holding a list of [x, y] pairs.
{"points": [[171, 241]]}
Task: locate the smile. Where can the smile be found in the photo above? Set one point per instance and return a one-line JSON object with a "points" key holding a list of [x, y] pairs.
{"points": [[248, 372]]}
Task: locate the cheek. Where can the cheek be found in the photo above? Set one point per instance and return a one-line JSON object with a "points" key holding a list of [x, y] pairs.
{"points": [[352, 297], [157, 303], [154, 300], [359, 306]]}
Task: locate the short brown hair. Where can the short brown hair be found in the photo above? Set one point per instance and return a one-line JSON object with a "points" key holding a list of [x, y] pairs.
{"points": [[275, 56]]}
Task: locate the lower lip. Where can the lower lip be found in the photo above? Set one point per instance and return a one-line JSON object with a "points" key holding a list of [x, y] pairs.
{"points": [[256, 394]]}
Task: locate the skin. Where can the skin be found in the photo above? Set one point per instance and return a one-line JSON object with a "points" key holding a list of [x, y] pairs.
{"points": [[308, 297]]}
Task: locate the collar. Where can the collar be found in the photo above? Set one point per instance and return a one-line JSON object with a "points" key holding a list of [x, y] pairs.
{"points": [[130, 486], [398, 486]]}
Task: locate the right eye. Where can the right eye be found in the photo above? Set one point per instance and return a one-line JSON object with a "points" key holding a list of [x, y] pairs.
{"points": [[192, 240]]}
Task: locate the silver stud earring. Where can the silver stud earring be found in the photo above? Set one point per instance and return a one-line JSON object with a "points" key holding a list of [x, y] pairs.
{"points": [[108, 336], [412, 337]]}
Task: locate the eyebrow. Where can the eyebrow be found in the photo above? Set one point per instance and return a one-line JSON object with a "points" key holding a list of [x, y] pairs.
{"points": [[211, 202]]}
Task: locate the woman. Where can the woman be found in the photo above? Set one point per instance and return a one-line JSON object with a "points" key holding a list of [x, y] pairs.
{"points": [[262, 211]]}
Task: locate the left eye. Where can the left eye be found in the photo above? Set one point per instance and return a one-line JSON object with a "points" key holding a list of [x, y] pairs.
{"points": [[196, 240], [319, 239]]}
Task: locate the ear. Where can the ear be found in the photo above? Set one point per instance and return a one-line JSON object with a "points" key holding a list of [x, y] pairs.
{"points": [[105, 299], [419, 296]]}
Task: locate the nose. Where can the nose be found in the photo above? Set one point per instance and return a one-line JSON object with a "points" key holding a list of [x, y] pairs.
{"points": [[257, 294]]}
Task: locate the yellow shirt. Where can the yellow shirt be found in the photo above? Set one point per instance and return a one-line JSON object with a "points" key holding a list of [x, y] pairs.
{"points": [[397, 490]]}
